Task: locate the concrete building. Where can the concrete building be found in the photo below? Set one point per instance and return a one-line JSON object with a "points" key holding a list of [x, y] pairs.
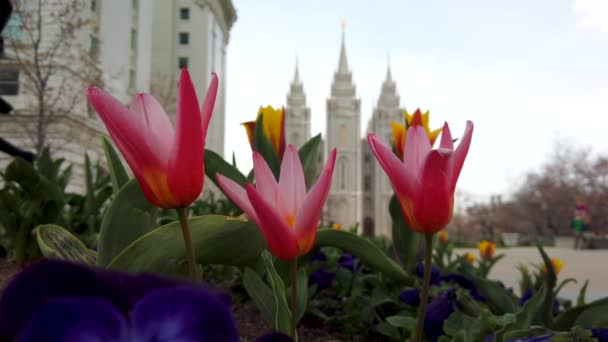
{"points": [[343, 132], [297, 120], [132, 46]]}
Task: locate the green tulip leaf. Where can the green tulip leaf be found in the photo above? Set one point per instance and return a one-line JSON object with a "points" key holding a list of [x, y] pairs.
{"points": [[215, 164], [309, 153], [526, 317], [217, 240], [498, 299], [118, 173], [261, 294], [365, 250], [581, 314], [56, 242], [282, 313], [263, 145], [129, 217], [302, 295]]}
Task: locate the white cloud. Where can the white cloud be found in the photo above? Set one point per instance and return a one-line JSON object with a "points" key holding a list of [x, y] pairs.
{"points": [[592, 14]]}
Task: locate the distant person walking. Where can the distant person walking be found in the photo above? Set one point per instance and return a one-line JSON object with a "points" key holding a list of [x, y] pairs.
{"points": [[580, 222]]}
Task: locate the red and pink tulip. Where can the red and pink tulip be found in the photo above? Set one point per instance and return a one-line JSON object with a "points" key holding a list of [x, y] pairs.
{"points": [[425, 181], [167, 162], [287, 216]]}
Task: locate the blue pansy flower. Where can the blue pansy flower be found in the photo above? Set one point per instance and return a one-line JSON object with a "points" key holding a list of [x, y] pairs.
{"points": [[322, 278], [410, 297], [61, 301], [434, 273], [465, 283], [318, 256], [348, 261], [600, 333], [438, 310]]}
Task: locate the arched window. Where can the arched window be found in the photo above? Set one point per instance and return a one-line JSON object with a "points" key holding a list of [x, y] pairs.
{"points": [[343, 136], [342, 168]]}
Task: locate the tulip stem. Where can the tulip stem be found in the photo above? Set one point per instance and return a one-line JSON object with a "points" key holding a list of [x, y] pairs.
{"points": [[426, 284], [192, 266], [293, 270]]}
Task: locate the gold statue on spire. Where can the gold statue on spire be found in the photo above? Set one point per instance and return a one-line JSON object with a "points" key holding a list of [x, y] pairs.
{"points": [[343, 25]]}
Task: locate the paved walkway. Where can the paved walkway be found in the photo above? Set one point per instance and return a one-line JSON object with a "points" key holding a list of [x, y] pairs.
{"points": [[579, 264]]}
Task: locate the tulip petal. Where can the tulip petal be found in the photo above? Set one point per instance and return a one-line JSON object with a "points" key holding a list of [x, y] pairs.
{"points": [[250, 128], [417, 146], [292, 186], [156, 122], [186, 172], [401, 177], [461, 151], [281, 239], [309, 213], [209, 103], [238, 195], [264, 179], [125, 130], [433, 208], [446, 138]]}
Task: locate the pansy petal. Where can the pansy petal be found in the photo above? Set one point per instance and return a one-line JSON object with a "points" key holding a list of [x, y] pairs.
{"points": [[264, 179], [186, 313], [279, 236], [446, 138], [401, 177], [156, 122], [417, 146], [237, 194], [461, 151], [76, 319], [309, 213], [186, 172], [291, 182]]}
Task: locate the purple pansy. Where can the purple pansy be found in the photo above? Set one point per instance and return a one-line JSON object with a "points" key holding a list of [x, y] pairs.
{"points": [[600, 333], [465, 283], [318, 256], [434, 273], [322, 278], [437, 312], [348, 261], [61, 301], [410, 297]]}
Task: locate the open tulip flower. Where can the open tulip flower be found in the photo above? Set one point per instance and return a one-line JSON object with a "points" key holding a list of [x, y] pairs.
{"points": [[425, 180], [273, 124], [167, 162], [417, 118], [287, 216]]}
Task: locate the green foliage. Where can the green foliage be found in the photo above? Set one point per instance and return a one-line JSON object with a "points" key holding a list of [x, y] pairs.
{"points": [[265, 148], [118, 173], [209, 205], [309, 154], [129, 217], [58, 243], [215, 164], [281, 309], [405, 240]]}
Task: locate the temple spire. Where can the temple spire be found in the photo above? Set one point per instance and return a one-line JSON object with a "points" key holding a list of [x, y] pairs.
{"points": [[389, 76], [343, 64], [296, 76]]}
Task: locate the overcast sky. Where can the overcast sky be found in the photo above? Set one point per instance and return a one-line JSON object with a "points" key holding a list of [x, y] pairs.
{"points": [[526, 72]]}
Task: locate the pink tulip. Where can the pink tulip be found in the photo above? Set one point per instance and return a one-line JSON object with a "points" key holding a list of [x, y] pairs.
{"points": [[287, 216], [426, 180], [167, 163]]}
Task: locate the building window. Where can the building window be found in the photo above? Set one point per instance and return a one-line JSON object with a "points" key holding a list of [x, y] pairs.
{"points": [[9, 82], [93, 5], [342, 174], [182, 62], [135, 4], [92, 46], [133, 39], [132, 79], [184, 13], [343, 136], [184, 38], [367, 183]]}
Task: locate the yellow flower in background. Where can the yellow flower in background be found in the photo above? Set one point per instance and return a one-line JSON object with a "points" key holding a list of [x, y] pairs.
{"points": [[486, 249], [399, 130], [557, 265], [469, 257], [443, 236], [273, 122], [336, 226]]}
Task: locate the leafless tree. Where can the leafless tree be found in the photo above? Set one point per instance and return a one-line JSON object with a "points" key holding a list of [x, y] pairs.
{"points": [[55, 51]]}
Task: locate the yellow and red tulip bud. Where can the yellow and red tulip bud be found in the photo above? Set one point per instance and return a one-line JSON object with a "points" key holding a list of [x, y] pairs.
{"points": [[416, 119], [287, 216], [273, 123], [336, 226], [425, 181], [558, 265], [486, 249], [443, 236], [168, 163], [469, 257]]}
